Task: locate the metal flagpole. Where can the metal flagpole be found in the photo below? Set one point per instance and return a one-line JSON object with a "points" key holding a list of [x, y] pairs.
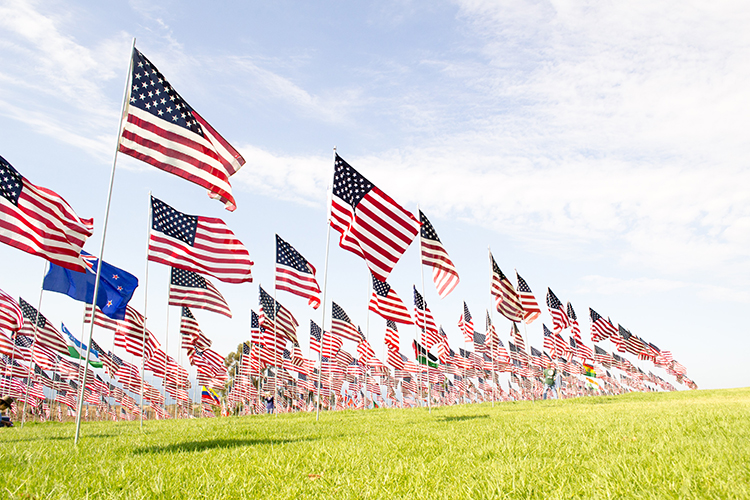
{"points": [[33, 344], [492, 333], [145, 310], [166, 357], [275, 353], [424, 321], [492, 317], [325, 289], [367, 337], [104, 236]]}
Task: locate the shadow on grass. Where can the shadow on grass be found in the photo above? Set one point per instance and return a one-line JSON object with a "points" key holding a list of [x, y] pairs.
{"points": [[217, 443], [459, 418], [55, 438]]}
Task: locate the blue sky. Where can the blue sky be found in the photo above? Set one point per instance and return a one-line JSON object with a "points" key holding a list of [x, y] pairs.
{"points": [[600, 149]]}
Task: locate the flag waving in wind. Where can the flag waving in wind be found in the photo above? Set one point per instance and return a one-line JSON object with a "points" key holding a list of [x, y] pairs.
{"points": [[444, 273], [387, 304], [189, 289], [201, 244], [163, 130], [38, 221], [116, 286], [371, 224], [506, 299], [294, 274]]}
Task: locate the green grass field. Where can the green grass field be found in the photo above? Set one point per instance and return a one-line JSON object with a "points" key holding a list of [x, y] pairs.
{"points": [[667, 445]]}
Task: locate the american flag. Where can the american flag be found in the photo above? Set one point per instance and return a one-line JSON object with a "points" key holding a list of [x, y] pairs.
{"points": [[554, 342], [366, 354], [372, 225], [254, 328], [275, 317], [601, 329], [425, 321], [575, 330], [190, 332], [602, 356], [331, 343], [387, 304], [201, 244], [391, 338], [557, 311], [444, 273], [128, 332], [394, 358], [38, 221], [530, 306], [506, 299], [516, 334], [46, 335], [466, 324], [342, 326], [164, 131], [294, 274], [190, 289], [11, 317]]}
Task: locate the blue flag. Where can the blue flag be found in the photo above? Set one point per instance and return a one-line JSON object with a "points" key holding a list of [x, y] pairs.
{"points": [[116, 286]]}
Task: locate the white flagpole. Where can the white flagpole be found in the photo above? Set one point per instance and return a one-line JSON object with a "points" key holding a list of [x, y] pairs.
{"points": [[33, 344], [104, 236], [275, 354], [145, 309], [492, 314], [424, 321], [325, 289], [367, 338]]}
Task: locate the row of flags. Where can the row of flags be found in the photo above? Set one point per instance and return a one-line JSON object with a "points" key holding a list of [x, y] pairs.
{"points": [[162, 129]]}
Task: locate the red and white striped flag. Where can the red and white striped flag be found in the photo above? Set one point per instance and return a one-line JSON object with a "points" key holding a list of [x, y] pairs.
{"points": [[387, 304], [11, 317], [531, 310], [46, 334], [189, 289], [342, 326], [391, 336], [164, 131], [557, 311], [575, 330], [192, 336], [294, 274], [444, 273], [506, 299], [426, 322], [601, 329], [466, 324], [372, 225], [38, 221], [204, 245]]}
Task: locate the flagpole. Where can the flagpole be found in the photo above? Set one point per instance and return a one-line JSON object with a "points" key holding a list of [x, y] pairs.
{"points": [[145, 311], [325, 289], [104, 236], [367, 338], [424, 321], [492, 312], [275, 353], [33, 344]]}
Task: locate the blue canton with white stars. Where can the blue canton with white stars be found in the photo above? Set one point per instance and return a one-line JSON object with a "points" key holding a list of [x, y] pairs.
{"points": [[11, 182], [173, 223], [348, 184], [152, 93], [286, 255]]}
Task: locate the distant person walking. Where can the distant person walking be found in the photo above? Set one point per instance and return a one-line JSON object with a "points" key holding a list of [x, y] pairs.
{"points": [[550, 373], [269, 403]]}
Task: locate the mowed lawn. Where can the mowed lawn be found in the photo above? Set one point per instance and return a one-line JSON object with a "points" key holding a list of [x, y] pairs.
{"points": [[668, 445]]}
